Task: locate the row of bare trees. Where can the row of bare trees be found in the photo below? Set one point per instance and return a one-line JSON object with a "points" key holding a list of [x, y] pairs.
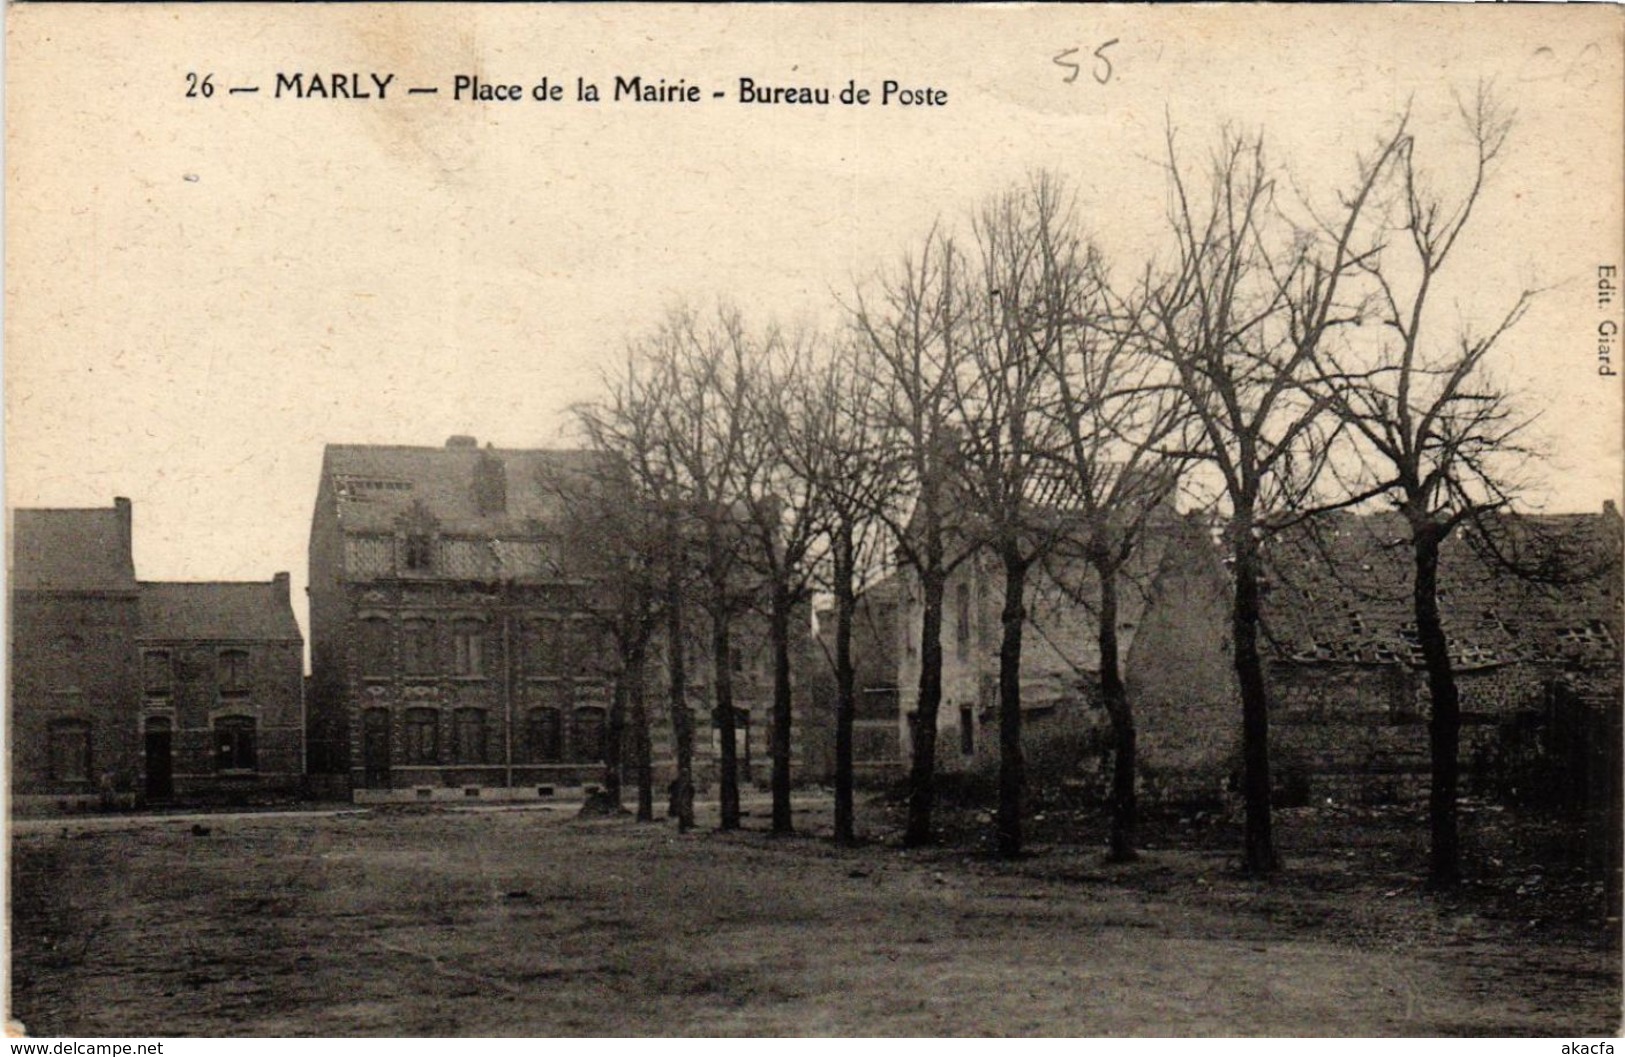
{"points": [[1003, 393]]}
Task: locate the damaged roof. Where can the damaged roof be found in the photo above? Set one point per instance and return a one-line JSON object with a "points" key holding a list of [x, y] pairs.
{"points": [[1341, 592]]}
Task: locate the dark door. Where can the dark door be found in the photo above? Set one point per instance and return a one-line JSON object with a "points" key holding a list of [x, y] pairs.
{"points": [[375, 748], [160, 760]]}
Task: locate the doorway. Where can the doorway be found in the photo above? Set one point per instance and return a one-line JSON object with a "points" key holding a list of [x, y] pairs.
{"points": [[375, 747], [160, 744]]}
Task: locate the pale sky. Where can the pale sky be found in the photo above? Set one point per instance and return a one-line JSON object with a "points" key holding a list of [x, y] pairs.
{"points": [[201, 293]]}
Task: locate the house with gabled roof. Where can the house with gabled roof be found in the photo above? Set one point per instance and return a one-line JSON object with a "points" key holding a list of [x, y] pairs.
{"points": [[222, 691], [1533, 619], [125, 691], [74, 691]]}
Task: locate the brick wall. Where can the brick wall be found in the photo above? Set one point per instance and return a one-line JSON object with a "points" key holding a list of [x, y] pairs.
{"points": [[212, 680], [73, 661]]}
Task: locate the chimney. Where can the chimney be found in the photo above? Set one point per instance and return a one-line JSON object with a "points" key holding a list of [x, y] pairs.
{"points": [[490, 484], [1610, 509], [461, 440], [279, 583], [126, 535]]}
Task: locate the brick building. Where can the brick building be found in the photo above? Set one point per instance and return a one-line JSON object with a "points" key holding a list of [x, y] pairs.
{"points": [[222, 673], [75, 693], [452, 650], [123, 691]]}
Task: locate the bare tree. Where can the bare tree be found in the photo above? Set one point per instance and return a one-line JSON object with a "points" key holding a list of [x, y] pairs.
{"points": [[845, 453], [642, 549], [908, 328], [1116, 414], [1240, 311], [1032, 270], [682, 722], [612, 530], [703, 370], [1439, 437], [785, 504]]}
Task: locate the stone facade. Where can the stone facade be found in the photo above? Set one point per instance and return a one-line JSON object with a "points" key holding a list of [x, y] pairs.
{"points": [[1173, 642]]}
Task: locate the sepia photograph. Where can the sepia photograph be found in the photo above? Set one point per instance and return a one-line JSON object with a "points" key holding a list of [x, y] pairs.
{"points": [[682, 520]]}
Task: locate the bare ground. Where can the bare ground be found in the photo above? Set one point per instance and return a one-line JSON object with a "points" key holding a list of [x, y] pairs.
{"points": [[453, 922]]}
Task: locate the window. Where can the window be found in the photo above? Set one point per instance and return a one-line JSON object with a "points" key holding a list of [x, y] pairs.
{"points": [[70, 750], [417, 647], [468, 640], [374, 647], [544, 642], [468, 735], [589, 735], [156, 672], [422, 736], [234, 743], [419, 552], [545, 734], [574, 645], [233, 671], [967, 731], [962, 621]]}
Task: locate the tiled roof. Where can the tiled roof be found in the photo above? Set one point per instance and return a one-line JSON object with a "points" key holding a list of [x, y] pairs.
{"points": [[260, 611], [1342, 593], [71, 550], [376, 485]]}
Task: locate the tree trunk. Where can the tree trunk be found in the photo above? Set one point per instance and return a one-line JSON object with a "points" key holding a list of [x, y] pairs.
{"points": [[682, 727], [614, 740], [722, 672], [1012, 776], [779, 634], [638, 712], [922, 781], [1120, 712], [1259, 858], [845, 691], [1444, 721]]}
